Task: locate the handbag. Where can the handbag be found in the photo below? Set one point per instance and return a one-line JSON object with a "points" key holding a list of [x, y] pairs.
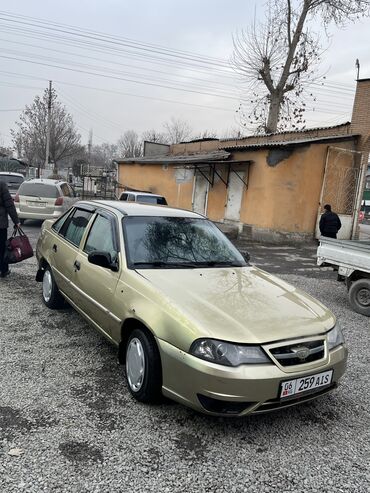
{"points": [[18, 247]]}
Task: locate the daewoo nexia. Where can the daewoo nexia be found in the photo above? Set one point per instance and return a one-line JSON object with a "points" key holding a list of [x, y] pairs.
{"points": [[190, 317]]}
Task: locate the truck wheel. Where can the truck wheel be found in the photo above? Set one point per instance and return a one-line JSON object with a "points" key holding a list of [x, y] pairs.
{"points": [[359, 296]]}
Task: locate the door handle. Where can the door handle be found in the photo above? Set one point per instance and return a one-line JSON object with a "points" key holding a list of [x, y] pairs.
{"points": [[55, 248], [77, 265]]}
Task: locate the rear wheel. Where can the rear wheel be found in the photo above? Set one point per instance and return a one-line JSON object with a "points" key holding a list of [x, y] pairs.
{"points": [[50, 293], [359, 296], [143, 367], [22, 221]]}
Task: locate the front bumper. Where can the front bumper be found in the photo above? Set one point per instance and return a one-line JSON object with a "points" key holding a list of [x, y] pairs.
{"points": [[244, 389]]}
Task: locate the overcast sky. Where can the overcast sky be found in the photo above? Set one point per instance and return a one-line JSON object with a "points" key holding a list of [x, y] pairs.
{"points": [[111, 86]]}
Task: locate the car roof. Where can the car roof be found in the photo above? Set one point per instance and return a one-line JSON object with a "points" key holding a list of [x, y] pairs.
{"points": [[46, 181], [11, 173], [142, 193], [135, 209]]}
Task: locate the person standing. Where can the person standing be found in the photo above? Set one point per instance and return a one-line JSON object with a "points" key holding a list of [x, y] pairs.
{"points": [[6, 207], [329, 223]]}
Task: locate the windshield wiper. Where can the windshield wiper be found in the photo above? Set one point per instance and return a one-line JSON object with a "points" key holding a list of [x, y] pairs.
{"points": [[226, 263], [189, 265], [168, 265]]}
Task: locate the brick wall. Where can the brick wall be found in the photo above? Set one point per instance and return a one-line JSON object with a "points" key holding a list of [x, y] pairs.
{"points": [[361, 116]]}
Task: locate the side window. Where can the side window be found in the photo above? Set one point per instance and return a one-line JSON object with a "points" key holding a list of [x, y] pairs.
{"points": [[101, 237], [124, 196], [65, 190], [59, 222], [73, 229], [131, 198]]}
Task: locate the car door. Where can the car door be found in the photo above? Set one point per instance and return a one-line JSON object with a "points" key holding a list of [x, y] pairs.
{"points": [[96, 285], [65, 247]]}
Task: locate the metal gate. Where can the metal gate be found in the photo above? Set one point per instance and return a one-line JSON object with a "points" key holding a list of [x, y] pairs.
{"points": [[341, 188]]}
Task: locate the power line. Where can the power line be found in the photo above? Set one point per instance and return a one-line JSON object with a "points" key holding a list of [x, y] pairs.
{"points": [[117, 78], [112, 91]]}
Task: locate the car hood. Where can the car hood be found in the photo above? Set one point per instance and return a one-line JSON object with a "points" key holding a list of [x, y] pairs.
{"points": [[245, 305]]}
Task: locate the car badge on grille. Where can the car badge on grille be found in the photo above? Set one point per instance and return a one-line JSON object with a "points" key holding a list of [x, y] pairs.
{"points": [[301, 352]]}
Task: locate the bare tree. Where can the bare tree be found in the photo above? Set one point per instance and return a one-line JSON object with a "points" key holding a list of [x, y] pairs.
{"points": [[103, 154], [177, 130], [29, 136], [205, 134], [155, 136], [279, 58], [129, 145]]}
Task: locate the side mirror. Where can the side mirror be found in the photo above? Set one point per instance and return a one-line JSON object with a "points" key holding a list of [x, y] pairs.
{"points": [[246, 256], [103, 259]]}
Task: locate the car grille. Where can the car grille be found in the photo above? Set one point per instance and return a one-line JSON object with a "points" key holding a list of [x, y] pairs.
{"points": [[298, 354]]}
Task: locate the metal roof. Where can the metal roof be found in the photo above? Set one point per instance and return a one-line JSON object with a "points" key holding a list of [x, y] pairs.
{"points": [[290, 143], [218, 155], [285, 132]]}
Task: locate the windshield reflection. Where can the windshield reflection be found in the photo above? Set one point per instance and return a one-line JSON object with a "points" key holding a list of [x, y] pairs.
{"points": [[177, 242]]}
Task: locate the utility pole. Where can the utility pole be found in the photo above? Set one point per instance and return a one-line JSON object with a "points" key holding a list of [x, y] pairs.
{"points": [[48, 128], [89, 147], [358, 68]]}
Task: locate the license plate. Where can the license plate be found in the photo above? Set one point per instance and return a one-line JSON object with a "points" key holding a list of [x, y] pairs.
{"points": [[305, 384], [36, 204]]}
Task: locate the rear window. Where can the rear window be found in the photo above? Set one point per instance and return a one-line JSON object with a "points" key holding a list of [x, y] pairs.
{"points": [[13, 182], [148, 199], [39, 190]]}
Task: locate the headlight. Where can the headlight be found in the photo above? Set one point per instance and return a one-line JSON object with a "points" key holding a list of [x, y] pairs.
{"points": [[225, 353], [335, 338]]}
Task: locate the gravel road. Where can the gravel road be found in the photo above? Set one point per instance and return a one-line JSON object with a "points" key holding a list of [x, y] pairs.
{"points": [[64, 403]]}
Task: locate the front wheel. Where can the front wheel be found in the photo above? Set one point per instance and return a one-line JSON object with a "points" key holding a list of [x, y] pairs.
{"points": [[143, 367], [359, 296], [50, 293]]}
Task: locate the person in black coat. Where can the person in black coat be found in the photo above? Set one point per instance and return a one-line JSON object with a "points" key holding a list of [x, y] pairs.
{"points": [[6, 207], [329, 223]]}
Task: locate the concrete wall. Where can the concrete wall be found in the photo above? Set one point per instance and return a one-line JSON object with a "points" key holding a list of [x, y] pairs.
{"points": [[166, 180], [283, 197]]}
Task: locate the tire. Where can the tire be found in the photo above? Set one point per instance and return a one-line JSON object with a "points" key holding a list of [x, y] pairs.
{"points": [[50, 293], [359, 296], [143, 367], [22, 221]]}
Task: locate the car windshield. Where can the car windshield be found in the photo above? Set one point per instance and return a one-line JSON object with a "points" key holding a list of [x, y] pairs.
{"points": [[177, 242], [39, 190], [148, 199]]}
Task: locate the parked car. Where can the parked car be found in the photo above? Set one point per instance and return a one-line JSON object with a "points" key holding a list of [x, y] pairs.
{"points": [[13, 180], [190, 317], [43, 199], [143, 198]]}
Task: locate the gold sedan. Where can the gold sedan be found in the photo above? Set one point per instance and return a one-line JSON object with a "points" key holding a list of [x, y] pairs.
{"points": [[190, 317]]}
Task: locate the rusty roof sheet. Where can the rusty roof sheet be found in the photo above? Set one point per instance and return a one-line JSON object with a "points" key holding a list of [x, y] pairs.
{"points": [[285, 132], [290, 143], [218, 155]]}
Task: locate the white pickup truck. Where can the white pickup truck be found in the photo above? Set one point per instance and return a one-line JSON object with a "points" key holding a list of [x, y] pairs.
{"points": [[351, 258]]}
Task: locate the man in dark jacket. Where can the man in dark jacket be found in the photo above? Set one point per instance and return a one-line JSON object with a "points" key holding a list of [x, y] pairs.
{"points": [[6, 207], [329, 223]]}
